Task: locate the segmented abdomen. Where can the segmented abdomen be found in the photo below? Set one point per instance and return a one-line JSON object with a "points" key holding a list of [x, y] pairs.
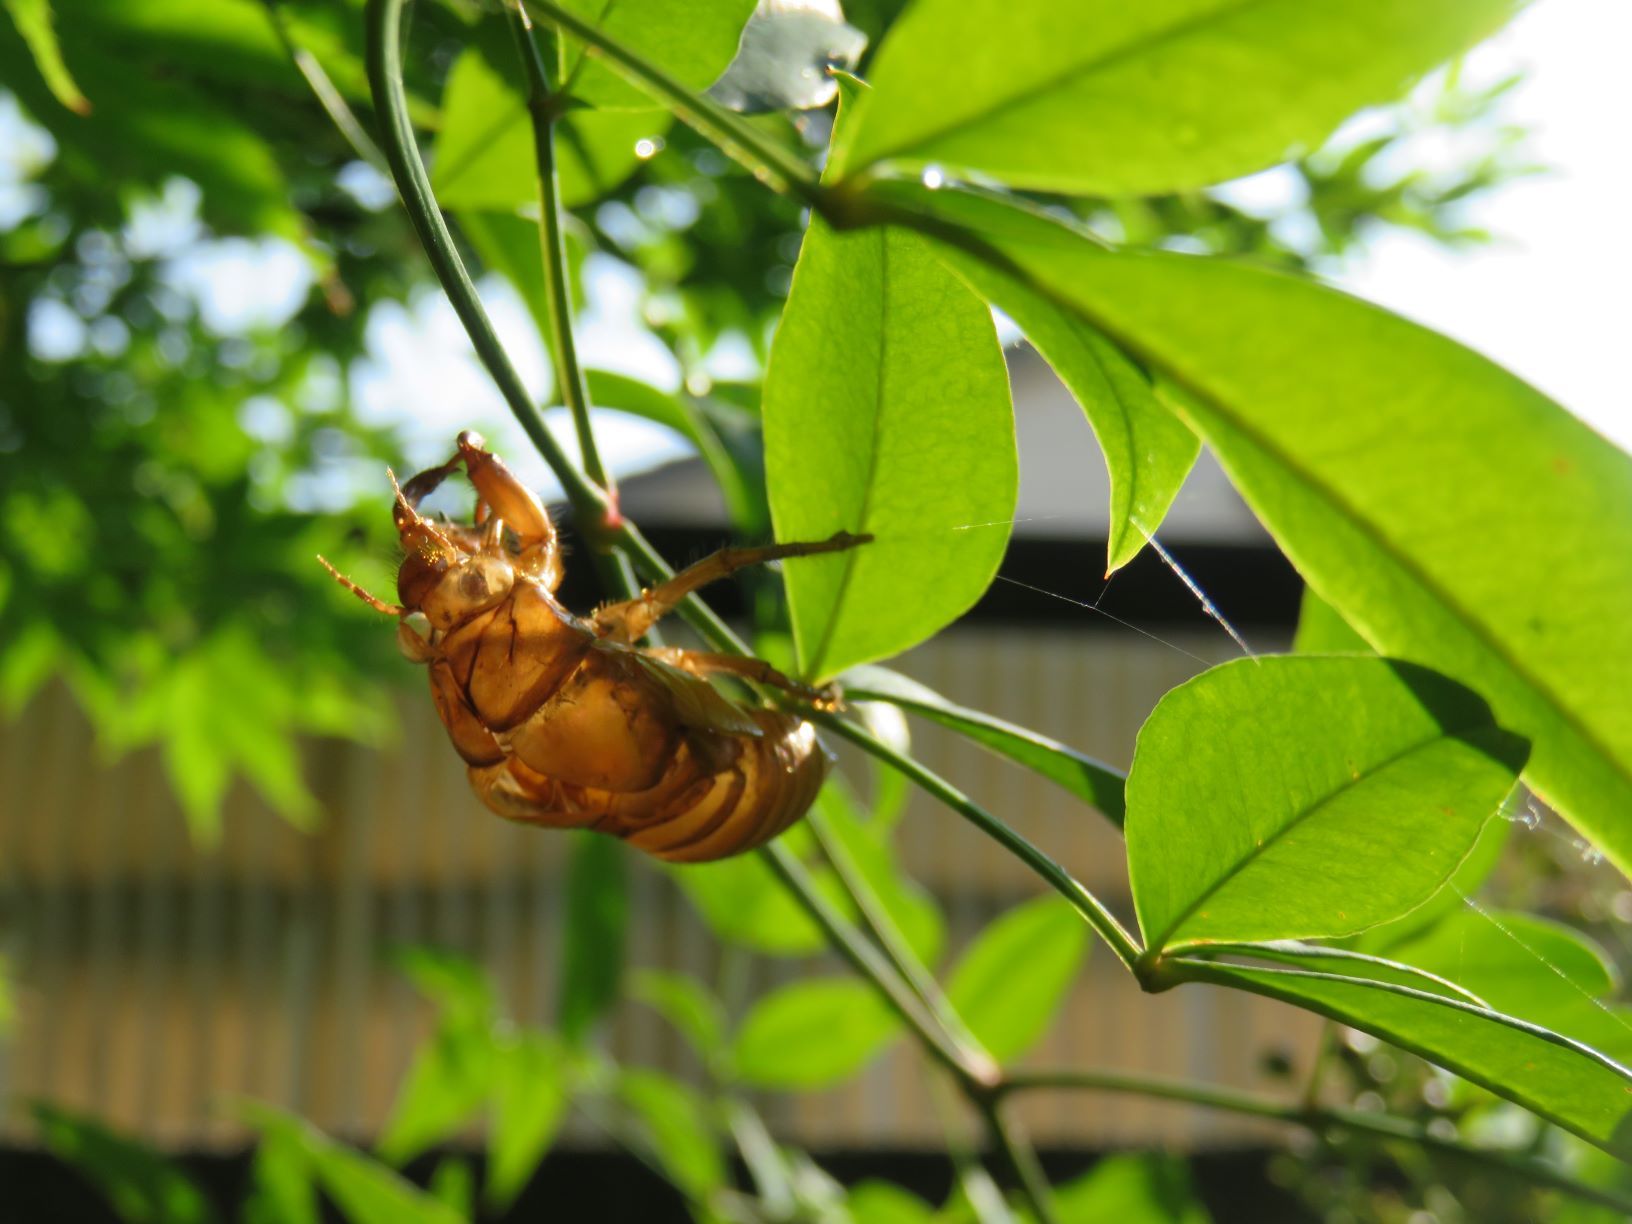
{"points": [[561, 729], [695, 812]]}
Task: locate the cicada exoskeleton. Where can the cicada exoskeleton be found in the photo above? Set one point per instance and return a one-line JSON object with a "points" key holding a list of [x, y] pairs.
{"points": [[568, 721]]}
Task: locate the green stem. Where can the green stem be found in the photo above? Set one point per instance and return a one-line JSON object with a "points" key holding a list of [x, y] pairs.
{"points": [[552, 245], [889, 937], [1090, 906], [323, 88], [384, 39], [1021, 1159], [768, 161], [976, 1078], [1310, 1118]]}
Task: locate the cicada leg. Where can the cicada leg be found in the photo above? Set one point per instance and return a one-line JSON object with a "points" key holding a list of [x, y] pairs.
{"points": [[631, 619], [704, 664]]}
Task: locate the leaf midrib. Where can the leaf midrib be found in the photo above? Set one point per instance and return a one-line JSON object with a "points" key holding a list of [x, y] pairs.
{"points": [[1262, 848], [1234, 975], [849, 556], [1044, 85]]}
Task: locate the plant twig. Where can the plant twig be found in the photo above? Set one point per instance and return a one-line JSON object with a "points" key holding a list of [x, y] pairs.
{"points": [[1090, 906], [887, 932], [1311, 1118], [323, 88], [614, 568], [976, 1074], [768, 161], [384, 47], [569, 373], [1021, 1158]]}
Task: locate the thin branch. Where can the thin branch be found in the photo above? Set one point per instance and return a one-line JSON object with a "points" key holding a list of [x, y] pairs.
{"points": [[552, 245], [1311, 1118], [323, 88], [1090, 906], [1021, 1158], [769, 161], [890, 938], [977, 1078], [384, 39]]}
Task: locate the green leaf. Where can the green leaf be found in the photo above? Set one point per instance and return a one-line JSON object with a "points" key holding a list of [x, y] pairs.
{"points": [[34, 22], [743, 903], [531, 1094], [1132, 1189], [484, 158], [1530, 967], [1465, 881], [812, 1033], [453, 1184], [365, 1191], [692, 42], [886, 412], [452, 1074], [1091, 781], [882, 1202], [460, 990], [676, 1126], [1343, 426], [444, 1088], [281, 1188], [153, 123], [1291, 796], [1322, 631], [1557, 1078], [139, 1183], [1105, 98], [592, 943], [1017, 973], [688, 1005], [1148, 451]]}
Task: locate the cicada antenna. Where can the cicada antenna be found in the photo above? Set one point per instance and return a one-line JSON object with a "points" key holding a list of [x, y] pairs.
{"points": [[408, 518], [373, 601]]}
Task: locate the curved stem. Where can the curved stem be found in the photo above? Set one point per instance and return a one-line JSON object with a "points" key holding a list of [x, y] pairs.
{"points": [[323, 88], [1310, 1118], [384, 47], [569, 374], [976, 1078], [891, 940], [1021, 1158], [769, 161], [1091, 907]]}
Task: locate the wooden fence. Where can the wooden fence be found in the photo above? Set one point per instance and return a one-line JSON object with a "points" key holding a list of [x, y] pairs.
{"points": [[157, 983]]}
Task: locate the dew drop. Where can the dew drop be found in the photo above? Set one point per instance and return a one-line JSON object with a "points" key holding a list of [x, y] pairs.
{"points": [[933, 178], [648, 147]]}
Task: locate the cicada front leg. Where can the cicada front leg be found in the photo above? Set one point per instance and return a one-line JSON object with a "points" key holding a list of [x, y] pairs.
{"points": [[630, 620], [704, 664]]}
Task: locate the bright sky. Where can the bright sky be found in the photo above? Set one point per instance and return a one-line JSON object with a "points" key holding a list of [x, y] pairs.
{"points": [[1553, 302], [1550, 300]]}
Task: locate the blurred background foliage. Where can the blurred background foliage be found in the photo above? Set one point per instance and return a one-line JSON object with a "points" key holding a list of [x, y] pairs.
{"points": [[172, 457]]}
